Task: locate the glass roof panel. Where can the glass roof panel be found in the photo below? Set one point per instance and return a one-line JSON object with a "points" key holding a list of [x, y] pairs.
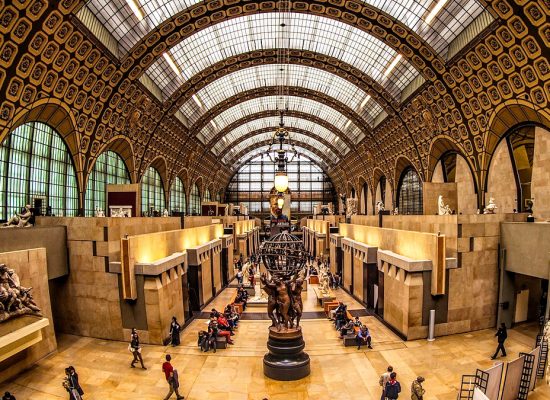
{"points": [[296, 137], [126, 27], [302, 151], [276, 75], [273, 122], [269, 103], [263, 31]]}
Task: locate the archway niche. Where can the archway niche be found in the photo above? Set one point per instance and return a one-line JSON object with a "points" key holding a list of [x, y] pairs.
{"points": [[452, 167]]}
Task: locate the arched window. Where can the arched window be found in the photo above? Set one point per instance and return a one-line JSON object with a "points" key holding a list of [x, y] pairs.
{"points": [[207, 196], [195, 200], [364, 199], [108, 169], [177, 196], [152, 192], [36, 163], [409, 199]]}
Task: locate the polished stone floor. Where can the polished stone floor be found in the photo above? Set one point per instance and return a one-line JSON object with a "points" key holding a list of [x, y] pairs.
{"points": [[236, 373]]}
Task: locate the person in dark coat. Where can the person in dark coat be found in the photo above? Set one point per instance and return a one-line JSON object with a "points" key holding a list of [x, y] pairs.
{"points": [[135, 348], [8, 396], [501, 335], [175, 329], [72, 385]]}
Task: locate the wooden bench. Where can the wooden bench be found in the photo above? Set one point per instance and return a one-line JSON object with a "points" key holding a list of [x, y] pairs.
{"points": [[314, 279], [221, 342], [238, 306]]}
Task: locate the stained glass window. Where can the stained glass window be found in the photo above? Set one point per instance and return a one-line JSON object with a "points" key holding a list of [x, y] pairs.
{"points": [[108, 169], [35, 163], [409, 199], [177, 196], [195, 200], [152, 193]]}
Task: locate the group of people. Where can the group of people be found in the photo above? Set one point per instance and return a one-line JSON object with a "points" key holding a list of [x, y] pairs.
{"points": [[220, 324], [346, 326], [391, 386]]}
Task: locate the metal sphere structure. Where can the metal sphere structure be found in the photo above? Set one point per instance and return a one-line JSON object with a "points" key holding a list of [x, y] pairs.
{"points": [[283, 255]]}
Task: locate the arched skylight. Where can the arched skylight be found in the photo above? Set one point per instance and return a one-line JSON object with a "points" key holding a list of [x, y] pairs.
{"points": [[131, 20], [269, 103], [236, 134], [262, 31], [257, 151], [275, 75], [296, 138]]}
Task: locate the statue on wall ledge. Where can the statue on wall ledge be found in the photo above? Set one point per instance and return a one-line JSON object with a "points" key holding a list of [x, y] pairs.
{"points": [[396, 211], [443, 209], [351, 207], [21, 220], [379, 207], [99, 212], [165, 213], [15, 300], [491, 207], [343, 203]]}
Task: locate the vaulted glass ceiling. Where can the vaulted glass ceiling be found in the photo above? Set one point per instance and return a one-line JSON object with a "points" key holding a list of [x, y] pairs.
{"points": [[301, 150], [263, 31], [269, 103], [236, 134], [129, 26], [295, 137], [276, 75]]}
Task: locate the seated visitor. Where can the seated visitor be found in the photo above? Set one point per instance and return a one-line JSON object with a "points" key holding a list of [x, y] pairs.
{"points": [[224, 324], [231, 315], [363, 337], [242, 297], [340, 315], [330, 280], [347, 328], [357, 322], [251, 275], [207, 340]]}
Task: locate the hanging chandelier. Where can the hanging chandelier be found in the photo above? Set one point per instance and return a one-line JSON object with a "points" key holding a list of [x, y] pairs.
{"points": [[278, 155]]}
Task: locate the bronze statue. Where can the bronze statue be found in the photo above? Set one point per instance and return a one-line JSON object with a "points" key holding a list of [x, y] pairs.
{"points": [[296, 294], [271, 289], [284, 305], [15, 300]]}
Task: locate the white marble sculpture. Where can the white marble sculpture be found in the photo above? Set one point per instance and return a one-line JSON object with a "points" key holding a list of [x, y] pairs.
{"points": [[443, 209], [165, 213], [491, 207], [379, 207], [351, 207], [99, 212], [21, 220], [396, 211]]}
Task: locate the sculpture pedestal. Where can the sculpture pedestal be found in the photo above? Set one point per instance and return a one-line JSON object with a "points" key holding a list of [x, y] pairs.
{"points": [[286, 360]]}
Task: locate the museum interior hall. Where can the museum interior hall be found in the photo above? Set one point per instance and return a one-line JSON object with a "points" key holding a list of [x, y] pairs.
{"points": [[274, 199]]}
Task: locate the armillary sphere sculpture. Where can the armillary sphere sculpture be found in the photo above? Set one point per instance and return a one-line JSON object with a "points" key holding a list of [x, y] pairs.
{"points": [[284, 258]]}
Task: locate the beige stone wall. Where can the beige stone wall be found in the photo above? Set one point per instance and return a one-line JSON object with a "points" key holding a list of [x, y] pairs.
{"points": [[88, 302], [368, 220], [403, 301], [467, 197], [430, 196], [230, 257], [31, 267], [358, 278], [217, 278], [370, 206], [540, 181], [206, 280], [501, 183], [163, 300], [332, 258], [437, 176], [347, 271], [389, 205]]}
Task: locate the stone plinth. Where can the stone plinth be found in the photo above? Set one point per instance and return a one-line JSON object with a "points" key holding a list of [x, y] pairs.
{"points": [[286, 360]]}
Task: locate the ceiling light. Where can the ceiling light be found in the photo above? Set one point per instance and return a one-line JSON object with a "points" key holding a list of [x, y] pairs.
{"points": [[214, 124], [224, 139], [335, 140], [435, 10], [364, 102], [281, 181], [194, 97], [134, 5], [393, 64], [171, 63], [347, 124]]}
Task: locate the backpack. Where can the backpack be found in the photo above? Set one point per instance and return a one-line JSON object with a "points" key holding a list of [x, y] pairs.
{"points": [[392, 391]]}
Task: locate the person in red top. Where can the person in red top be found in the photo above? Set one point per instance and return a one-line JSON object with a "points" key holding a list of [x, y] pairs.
{"points": [[171, 378], [223, 324]]}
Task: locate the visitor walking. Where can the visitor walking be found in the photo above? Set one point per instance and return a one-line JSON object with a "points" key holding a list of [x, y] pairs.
{"points": [[135, 349], [240, 277], [71, 384], [501, 335], [171, 377], [175, 329], [384, 378], [417, 391], [392, 388]]}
